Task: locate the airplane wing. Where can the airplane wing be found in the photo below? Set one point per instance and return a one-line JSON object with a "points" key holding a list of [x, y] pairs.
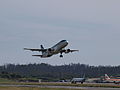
{"points": [[68, 50], [35, 49], [73, 50]]}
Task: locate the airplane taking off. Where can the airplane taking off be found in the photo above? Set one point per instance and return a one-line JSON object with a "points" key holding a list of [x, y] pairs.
{"points": [[58, 48]]}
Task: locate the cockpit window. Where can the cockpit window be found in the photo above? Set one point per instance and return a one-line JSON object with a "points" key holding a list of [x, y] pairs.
{"points": [[63, 41]]}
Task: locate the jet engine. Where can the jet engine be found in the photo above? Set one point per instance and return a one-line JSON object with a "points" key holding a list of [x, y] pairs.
{"points": [[67, 51], [50, 50]]}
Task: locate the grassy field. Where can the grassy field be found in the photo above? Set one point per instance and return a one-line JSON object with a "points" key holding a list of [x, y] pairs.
{"points": [[66, 84], [2, 80], [33, 88], [9, 82]]}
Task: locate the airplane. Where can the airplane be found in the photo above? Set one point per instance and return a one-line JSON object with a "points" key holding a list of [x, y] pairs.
{"points": [[111, 80], [75, 80], [56, 49], [81, 80]]}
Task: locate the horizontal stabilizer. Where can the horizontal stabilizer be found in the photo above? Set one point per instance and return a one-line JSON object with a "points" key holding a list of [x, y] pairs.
{"points": [[37, 55]]}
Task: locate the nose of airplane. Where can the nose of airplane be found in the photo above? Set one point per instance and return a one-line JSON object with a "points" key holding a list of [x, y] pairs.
{"points": [[66, 42]]}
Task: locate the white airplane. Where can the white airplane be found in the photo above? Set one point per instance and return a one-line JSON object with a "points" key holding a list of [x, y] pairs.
{"points": [[75, 80], [58, 48], [111, 80], [81, 80]]}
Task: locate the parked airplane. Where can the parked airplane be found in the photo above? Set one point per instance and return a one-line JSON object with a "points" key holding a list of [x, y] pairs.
{"points": [[58, 48], [75, 80], [111, 80], [81, 80]]}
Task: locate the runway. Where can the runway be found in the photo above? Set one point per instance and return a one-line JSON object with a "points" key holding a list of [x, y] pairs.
{"points": [[69, 87]]}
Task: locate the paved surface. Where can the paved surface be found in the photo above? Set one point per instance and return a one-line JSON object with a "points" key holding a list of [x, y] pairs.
{"points": [[72, 87]]}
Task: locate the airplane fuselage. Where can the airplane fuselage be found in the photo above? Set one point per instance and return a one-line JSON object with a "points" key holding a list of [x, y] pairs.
{"points": [[55, 49]]}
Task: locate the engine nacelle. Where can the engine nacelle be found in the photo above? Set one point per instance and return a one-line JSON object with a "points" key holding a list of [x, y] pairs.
{"points": [[67, 51], [50, 50]]}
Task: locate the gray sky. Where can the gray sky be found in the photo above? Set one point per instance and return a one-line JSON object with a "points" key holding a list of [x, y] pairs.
{"points": [[92, 26]]}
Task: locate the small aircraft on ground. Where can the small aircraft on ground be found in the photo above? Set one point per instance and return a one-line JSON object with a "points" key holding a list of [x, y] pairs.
{"points": [[58, 48]]}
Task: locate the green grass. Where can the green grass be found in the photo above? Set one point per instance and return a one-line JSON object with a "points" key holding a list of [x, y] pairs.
{"points": [[64, 84], [2, 80], [33, 88], [6, 81]]}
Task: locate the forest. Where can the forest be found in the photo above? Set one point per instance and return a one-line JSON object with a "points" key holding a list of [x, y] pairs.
{"points": [[47, 71]]}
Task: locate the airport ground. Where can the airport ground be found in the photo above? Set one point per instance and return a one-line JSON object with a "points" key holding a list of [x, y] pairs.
{"points": [[14, 85], [57, 86], [33, 88], [38, 87]]}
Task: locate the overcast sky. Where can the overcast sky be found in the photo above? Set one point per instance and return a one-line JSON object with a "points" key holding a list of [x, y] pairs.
{"points": [[92, 26]]}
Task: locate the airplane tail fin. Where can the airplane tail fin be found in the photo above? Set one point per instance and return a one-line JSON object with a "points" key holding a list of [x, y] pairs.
{"points": [[41, 46], [106, 76], [84, 75]]}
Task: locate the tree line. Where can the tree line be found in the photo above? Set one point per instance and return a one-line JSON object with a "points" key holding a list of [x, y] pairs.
{"points": [[47, 71]]}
